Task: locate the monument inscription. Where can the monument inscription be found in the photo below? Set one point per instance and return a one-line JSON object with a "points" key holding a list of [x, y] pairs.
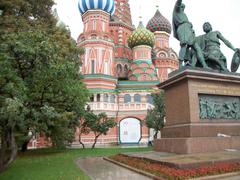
{"points": [[219, 107]]}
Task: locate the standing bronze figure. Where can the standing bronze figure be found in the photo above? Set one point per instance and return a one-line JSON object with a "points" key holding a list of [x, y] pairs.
{"points": [[183, 31], [210, 45]]}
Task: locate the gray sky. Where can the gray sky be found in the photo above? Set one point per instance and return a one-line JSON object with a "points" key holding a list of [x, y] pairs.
{"points": [[224, 15]]}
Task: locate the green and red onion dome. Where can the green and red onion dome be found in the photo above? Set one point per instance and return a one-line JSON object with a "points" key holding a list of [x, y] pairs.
{"points": [[141, 36], [159, 23]]}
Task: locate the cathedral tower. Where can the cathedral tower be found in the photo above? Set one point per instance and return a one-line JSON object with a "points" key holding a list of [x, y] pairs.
{"points": [[98, 60], [164, 58], [141, 41], [121, 27]]}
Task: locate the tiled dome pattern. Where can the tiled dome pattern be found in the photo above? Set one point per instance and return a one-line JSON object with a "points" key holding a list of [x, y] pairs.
{"points": [[141, 36], [159, 23], [105, 5]]}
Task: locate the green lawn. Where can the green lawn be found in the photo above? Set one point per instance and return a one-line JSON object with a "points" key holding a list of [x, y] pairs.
{"points": [[46, 164]]}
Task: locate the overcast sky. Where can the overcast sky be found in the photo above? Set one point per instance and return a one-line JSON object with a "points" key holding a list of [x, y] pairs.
{"points": [[224, 15]]}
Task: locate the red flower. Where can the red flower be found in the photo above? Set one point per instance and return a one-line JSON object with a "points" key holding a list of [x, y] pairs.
{"points": [[172, 173]]}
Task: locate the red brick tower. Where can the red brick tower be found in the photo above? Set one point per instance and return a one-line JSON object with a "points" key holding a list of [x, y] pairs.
{"points": [[120, 28], [98, 60], [165, 59]]}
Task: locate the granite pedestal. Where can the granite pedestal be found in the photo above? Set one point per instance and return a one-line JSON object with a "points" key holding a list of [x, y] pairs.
{"points": [[186, 130]]}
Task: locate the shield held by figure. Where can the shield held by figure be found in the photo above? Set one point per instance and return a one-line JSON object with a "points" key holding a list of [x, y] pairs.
{"points": [[235, 61]]}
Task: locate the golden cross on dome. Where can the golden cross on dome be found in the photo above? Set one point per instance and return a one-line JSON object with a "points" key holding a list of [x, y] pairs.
{"points": [[157, 4], [140, 13]]}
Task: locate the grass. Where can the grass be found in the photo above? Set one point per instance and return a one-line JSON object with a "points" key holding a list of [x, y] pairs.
{"points": [[52, 164]]}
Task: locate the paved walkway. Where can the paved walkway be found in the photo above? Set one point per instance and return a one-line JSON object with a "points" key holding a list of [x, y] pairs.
{"points": [[98, 169]]}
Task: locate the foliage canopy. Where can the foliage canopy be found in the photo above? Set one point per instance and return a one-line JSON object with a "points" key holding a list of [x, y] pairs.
{"points": [[40, 87]]}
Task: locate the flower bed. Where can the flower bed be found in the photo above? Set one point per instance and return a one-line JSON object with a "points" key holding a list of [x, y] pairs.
{"points": [[177, 174]]}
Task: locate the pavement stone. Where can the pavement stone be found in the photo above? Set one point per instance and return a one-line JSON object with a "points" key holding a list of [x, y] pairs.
{"points": [[99, 169]]}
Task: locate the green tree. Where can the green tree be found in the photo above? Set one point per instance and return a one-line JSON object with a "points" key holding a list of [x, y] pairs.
{"points": [[41, 88], [155, 117], [11, 111], [99, 124], [83, 129]]}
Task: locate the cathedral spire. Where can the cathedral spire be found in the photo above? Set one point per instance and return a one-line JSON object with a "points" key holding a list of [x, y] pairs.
{"points": [[122, 12]]}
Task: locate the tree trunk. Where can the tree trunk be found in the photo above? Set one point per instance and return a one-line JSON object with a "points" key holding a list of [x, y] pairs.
{"points": [[95, 140], [155, 135], [80, 140], [8, 151], [25, 146]]}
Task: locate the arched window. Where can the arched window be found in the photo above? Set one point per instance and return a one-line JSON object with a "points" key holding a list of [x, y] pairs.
{"points": [[119, 68], [93, 67], [127, 98], [137, 98], [126, 68], [83, 39], [93, 36], [106, 67], [92, 98], [149, 99], [112, 98], [103, 26], [94, 25], [98, 97], [169, 70], [105, 37], [144, 77], [105, 98], [157, 72]]}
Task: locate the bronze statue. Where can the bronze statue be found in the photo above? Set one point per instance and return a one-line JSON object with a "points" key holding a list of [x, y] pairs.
{"points": [[235, 61], [210, 45], [184, 32]]}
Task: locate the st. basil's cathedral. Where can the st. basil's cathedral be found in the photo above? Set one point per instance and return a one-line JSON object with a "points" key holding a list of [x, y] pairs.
{"points": [[122, 66]]}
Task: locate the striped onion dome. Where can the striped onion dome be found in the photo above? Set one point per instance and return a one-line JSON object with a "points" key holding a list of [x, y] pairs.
{"points": [[159, 23], [105, 5], [141, 36]]}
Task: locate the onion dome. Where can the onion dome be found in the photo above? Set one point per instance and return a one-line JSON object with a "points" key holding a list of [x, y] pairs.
{"points": [[159, 23], [141, 36], [105, 5]]}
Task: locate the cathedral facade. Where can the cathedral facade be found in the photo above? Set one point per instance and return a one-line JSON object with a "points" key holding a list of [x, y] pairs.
{"points": [[122, 66]]}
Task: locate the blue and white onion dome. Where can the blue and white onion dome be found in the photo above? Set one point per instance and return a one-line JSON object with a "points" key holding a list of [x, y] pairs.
{"points": [[105, 5]]}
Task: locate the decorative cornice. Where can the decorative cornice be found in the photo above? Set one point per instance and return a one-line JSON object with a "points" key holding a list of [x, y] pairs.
{"points": [[103, 76], [137, 83], [199, 73], [114, 91], [121, 24], [136, 90], [95, 41]]}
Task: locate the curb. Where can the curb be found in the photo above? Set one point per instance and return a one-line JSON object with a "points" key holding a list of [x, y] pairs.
{"points": [[134, 169], [217, 177], [213, 177]]}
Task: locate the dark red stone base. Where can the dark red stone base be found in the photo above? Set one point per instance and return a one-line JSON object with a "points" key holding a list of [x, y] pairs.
{"points": [[196, 144], [201, 130], [185, 132]]}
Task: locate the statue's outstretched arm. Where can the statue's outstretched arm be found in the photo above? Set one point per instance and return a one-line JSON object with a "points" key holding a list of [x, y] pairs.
{"points": [[226, 42]]}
